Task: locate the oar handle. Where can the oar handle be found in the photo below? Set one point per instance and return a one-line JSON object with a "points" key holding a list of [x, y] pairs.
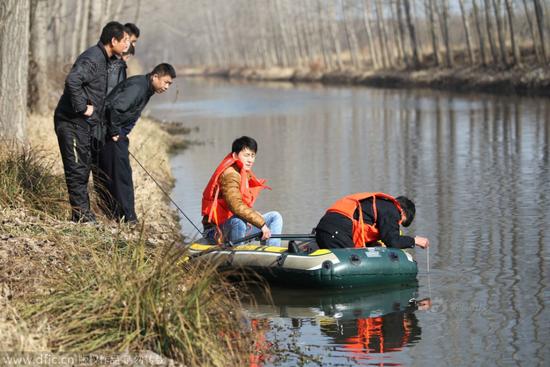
{"points": [[257, 236]]}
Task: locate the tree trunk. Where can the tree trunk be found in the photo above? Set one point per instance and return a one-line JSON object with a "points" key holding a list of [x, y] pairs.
{"points": [[382, 36], [401, 31], [314, 33], [540, 26], [435, 48], [443, 12], [532, 31], [138, 11], [479, 34], [212, 32], [466, 32], [118, 10], [328, 58], [84, 27], [373, 51], [489, 27], [515, 44], [292, 59], [14, 62], [59, 11], [412, 34], [351, 38], [38, 58], [94, 22], [334, 34], [500, 32], [75, 45]]}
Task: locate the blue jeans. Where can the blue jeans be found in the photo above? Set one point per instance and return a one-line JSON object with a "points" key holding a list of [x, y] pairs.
{"points": [[235, 228]]}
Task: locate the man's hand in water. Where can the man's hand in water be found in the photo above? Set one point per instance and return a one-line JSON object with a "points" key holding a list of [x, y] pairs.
{"points": [[266, 232], [421, 242]]}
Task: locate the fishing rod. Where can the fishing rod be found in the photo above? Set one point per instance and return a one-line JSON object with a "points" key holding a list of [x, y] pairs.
{"points": [[165, 193]]}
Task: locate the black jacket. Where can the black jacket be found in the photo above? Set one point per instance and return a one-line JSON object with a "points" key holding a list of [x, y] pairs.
{"points": [[126, 102], [117, 73], [85, 84], [337, 229]]}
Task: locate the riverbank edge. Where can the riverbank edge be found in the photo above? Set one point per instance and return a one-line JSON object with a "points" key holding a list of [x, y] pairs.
{"points": [[154, 145], [523, 80]]}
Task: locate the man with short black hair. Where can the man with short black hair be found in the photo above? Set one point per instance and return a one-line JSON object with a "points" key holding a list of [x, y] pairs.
{"points": [[123, 108], [365, 219], [133, 31], [229, 196], [79, 112]]}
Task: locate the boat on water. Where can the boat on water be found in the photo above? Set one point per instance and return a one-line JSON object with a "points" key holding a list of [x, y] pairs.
{"points": [[300, 263]]}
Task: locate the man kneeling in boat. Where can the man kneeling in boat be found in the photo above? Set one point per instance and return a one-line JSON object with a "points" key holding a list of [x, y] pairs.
{"points": [[366, 219], [230, 194]]}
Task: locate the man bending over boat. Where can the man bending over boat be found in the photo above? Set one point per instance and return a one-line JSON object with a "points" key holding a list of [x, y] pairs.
{"points": [[228, 199], [366, 219]]}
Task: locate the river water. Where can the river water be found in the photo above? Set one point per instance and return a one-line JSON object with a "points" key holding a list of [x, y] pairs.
{"points": [[477, 168]]}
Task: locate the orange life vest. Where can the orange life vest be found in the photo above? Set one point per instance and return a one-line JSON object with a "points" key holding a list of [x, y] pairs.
{"points": [[361, 231], [214, 206]]}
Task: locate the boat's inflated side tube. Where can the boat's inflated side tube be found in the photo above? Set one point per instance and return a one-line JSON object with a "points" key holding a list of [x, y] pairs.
{"points": [[319, 269]]}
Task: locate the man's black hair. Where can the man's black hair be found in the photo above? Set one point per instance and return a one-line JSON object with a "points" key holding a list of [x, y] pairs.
{"points": [[131, 50], [244, 142], [408, 208], [164, 69], [133, 29], [110, 31]]}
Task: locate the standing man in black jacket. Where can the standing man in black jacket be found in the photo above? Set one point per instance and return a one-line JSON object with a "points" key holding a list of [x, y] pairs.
{"points": [[123, 108], [80, 111]]}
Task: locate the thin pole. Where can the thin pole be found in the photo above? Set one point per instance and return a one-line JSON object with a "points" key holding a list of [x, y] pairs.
{"points": [[165, 193], [428, 258]]}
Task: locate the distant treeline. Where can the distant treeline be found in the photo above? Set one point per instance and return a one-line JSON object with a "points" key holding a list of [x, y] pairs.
{"points": [[362, 34]]}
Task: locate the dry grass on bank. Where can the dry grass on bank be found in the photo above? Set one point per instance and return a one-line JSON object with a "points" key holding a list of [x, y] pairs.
{"points": [[106, 288]]}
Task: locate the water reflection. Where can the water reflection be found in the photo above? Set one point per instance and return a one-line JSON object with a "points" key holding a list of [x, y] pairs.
{"points": [[354, 323], [477, 167]]}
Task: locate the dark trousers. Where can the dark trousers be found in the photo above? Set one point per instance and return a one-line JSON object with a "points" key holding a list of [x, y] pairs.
{"points": [[75, 145], [117, 198]]}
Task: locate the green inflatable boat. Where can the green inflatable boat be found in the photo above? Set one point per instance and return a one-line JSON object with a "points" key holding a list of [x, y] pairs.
{"points": [[305, 266]]}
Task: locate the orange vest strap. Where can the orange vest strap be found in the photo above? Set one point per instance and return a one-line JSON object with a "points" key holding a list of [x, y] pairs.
{"points": [[362, 232]]}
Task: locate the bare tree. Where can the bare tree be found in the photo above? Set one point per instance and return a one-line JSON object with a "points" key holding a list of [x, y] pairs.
{"points": [[515, 45], [466, 31], [402, 53], [532, 31], [480, 35], [373, 50], [75, 40], [489, 26], [84, 27], [14, 48], [59, 12], [443, 13], [334, 34], [540, 26], [429, 4], [382, 34], [412, 34], [38, 64], [500, 32], [351, 38]]}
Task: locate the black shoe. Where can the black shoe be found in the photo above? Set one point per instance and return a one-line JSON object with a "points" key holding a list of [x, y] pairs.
{"points": [[86, 217]]}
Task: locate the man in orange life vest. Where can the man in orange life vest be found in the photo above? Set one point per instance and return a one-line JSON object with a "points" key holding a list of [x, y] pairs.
{"points": [[230, 194], [362, 219]]}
